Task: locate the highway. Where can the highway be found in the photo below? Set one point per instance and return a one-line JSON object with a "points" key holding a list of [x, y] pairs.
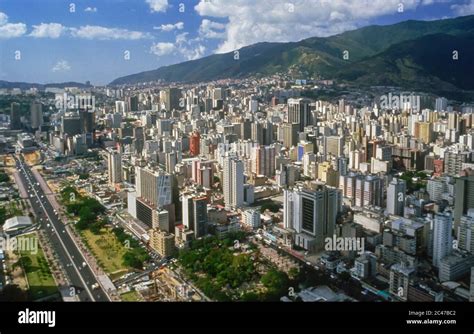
{"points": [[81, 277]]}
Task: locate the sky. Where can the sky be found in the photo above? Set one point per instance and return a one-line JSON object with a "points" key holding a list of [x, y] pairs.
{"points": [[50, 41]]}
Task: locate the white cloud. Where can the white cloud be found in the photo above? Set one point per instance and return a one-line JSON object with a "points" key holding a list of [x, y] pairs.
{"points": [[3, 18], [182, 38], [210, 29], [61, 66], [162, 49], [10, 30], [465, 9], [91, 9], [48, 30], [250, 22], [104, 33], [192, 53], [158, 5], [171, 27]]}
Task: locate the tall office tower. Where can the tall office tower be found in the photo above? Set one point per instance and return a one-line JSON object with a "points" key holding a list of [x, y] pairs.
{"points": [[466, 232], [441, 104], [132, 103], [195, 214], [299, 112], [334, 145], [437, 188], [442, 237], [424, 132], [257, 132], [400, 277], [15, 117], [246, 129], [263, 160], [233, 182], [453, 162], [139, 139], [170, 99], [268, 133], [71, 125], [154, 187], [87, 121], [364, 190], [194, 144], [312, 214], [120, 107], [453, 121], [396, 197], [464, 190], [288, 134], [36, 115], [114, 166]]}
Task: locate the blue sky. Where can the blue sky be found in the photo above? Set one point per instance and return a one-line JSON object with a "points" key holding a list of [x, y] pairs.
{"points": [[99, 40]]}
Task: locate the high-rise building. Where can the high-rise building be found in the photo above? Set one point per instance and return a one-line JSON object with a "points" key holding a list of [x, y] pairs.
{"points": [[195, 214], [424, 132], [15, 117], [442, 236], [453, 162], [311, 214], [36, 115], [299, 112], [334, 145], [400, 277], [154, 187], [466, 232], [464, 190], [194, 143], [233, 182], [114, 167], [441, 104], [396, 197], [288, 134], [251, 218], [162, 242], [170, 99], [263, 160]]}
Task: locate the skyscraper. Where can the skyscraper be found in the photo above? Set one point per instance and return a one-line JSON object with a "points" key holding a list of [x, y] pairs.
{"points": [[442, 236], [195, 214], [233, 182], [464, 189], [36, 115], [114, 167], [312, 214], [334, 145], [466, 232], [15, 117], [299, 112], [396, 197], [155, 187]]}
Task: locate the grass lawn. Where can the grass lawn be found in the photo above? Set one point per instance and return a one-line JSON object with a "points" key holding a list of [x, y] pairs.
{"points": [[108, 251], [38, 274], [131, 296]]}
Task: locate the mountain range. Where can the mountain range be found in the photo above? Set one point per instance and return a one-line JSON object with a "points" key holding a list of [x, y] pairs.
{"points": [[410, 54], [27, 85]]}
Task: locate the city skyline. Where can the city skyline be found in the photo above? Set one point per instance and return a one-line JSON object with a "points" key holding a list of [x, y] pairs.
{"points": [[102, 40]]}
